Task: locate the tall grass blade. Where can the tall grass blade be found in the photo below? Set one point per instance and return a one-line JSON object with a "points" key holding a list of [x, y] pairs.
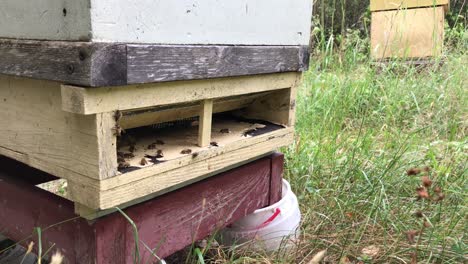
{"points": [[136, 256]]}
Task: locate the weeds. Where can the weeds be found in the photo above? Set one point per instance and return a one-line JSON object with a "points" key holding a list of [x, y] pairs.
{"points": [[357, 131]]}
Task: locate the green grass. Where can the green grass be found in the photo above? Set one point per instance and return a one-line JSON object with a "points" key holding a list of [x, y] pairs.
{"points": [[358, 131]]}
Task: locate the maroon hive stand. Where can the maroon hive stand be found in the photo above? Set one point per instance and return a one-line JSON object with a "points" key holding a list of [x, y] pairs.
{"points": [[167, 110], [168, 223]]}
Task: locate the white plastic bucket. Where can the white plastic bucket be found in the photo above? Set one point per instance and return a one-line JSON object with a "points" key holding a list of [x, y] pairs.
{"points": [[269, 228]]}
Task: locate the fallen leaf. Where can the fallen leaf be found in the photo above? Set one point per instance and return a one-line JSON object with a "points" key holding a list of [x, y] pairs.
{"points": [[410, 235], [345, 260], [440, 197], [413, 171], [318, 257], [419, 214], [422, 192], [371, 251], [426, 181]]}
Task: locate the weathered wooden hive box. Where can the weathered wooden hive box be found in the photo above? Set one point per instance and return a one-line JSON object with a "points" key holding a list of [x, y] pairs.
{"points": [[412, 29], [126, 100]]}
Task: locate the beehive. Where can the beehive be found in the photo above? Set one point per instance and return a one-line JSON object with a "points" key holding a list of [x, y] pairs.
{"points": [[126, 102], [187, 22], [412, 29]]}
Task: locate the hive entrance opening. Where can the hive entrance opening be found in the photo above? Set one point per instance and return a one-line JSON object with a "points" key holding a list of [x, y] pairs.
{"points": [[151, 145], [169, 133]]}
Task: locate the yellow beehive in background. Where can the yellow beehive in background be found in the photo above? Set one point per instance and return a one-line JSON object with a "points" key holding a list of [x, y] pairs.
{"points": [[407, 28]]}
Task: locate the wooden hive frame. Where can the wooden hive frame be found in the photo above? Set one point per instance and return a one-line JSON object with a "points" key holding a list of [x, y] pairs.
{"points": [[72, 132]]}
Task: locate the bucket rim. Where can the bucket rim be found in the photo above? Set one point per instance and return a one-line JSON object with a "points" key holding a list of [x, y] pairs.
{"points": [[280, 202]]}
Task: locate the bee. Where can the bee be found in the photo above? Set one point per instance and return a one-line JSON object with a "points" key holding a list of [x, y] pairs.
{"points": [[123, 165], [154, 159], [118, 131], [186, 151], [159, 154], [214, 144], [128, 155], [131, 140], [117, 115], [225, 131], [249, 132], [143, 162], [132, 148], [151, 146]]}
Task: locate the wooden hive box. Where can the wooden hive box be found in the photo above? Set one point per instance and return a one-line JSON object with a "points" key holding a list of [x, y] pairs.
{"points": [[412, 29], [169, 140], [187, 22], [126, 102]]}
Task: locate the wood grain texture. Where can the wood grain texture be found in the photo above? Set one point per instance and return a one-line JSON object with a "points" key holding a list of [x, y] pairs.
{"points": [[411, 33], [180, 138], [106, 99], [78, 63], [204, 123], [154, 115], [104, 64], [278, 107], [276, 180], [158, 63], [106, 144], [143, 183], [199, 209], [381, 5], [34, 130]]}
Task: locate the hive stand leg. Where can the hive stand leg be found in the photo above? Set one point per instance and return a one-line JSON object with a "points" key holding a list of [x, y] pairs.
{"points": [[204, 130], [276, 180]]}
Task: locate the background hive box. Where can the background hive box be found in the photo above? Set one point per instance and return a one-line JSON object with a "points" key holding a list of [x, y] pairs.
{"points": [[380, 5], [240, 22], [407, 33]]}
